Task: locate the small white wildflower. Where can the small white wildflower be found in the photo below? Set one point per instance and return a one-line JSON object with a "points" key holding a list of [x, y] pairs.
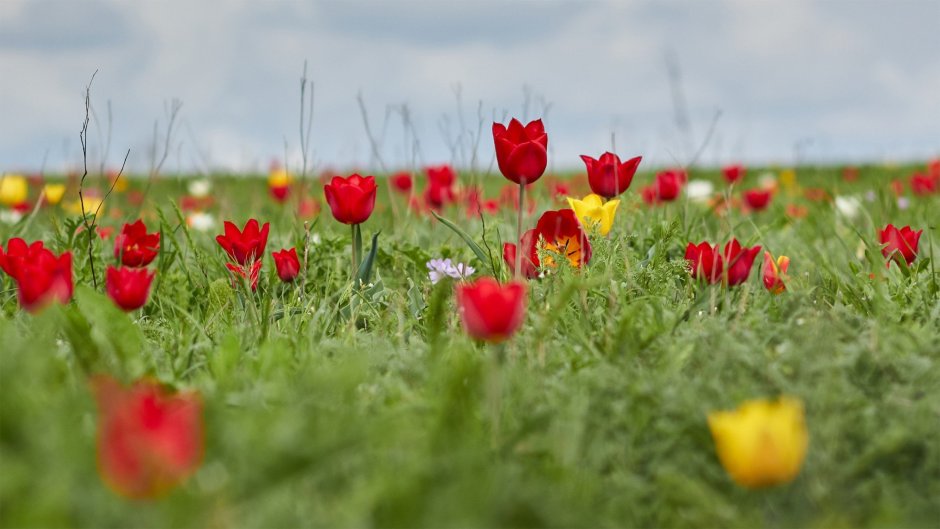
{"points": [[903, 203], [315, 238], [848, 206], [699, 190], [462, 271], [437, 269], [200, 188], [10, 216], [200, 221]]}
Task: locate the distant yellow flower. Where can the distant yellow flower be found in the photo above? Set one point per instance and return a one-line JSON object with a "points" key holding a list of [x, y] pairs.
{"points": [[761, 443], [593, 211], [279, 178], [788, 181], [91, 205], [53, 193], [14, 190]]}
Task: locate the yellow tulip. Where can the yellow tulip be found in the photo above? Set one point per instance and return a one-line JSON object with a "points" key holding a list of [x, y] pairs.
{"points": [[279, 178], [53, 193], [788, 181], [761, 443], [14, 190], [91, 205], [593, 211]]}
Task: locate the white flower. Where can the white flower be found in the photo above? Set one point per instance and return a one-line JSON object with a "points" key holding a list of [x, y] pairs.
{"points": [[767, 180], [200, 188], [441, 268], [10, 216], [200, 221], [903, 202], [699, 190], [848, 206], [315, 238]]}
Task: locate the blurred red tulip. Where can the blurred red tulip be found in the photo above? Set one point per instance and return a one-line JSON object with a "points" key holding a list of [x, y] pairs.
{"points": [[733, 173], [351, 199], [521, 151], [129, 288], [401, 182], [441, 175], [489, 311], [923, 185], [244, 246], [665, 187], [816, 194], [774, 273], [607, 176], [738, 262], [899, 244], [17, 252], [149, 439], [287, 264], [757, 199], [704, 261], [530, 256], [42, 278], [308, 208], [279, 193], [850, 174], [796, 211], [897, 187], [134, 246]]}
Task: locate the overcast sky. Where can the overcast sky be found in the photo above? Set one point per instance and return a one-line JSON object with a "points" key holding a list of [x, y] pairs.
{"points": [[844, 80]]}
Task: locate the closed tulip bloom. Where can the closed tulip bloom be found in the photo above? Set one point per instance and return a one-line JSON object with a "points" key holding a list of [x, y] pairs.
{"points": [[17, 252], [704, 261], [592, 211], [134, 246], [757, 199], [733, 173], [401, 182], [923, 185], [899, 244], [244, 246], [530, 255], [150, 439], [128, 288], [491, 312], [762, 443], [351, 199], [287, 264], [607, 176], [441, 175], [521, 151], [44, 279], [775, 272], [251, 272], [665, 187], [738, 262], [52, 193], [561, 232], [14, 190], [279, 193]]}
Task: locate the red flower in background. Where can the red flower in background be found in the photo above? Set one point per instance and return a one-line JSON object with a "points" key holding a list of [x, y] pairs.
{"points": [[561, 232], [351, 199], [129, 288], [401, 182], [738, 262], [521, 151], [490, 311], [897, 187], [529, 261], [899, 244], [149, 438], [307, 208], [279, 193], [704, 261], [244, 246], [850, 174], [607, 176], [441, 175], [134, 246], [757, 199], [42, 279], [923, 185], [18, 252], [287, 264], [665, 187], [733, 173], [774, 272], [509, 198]]}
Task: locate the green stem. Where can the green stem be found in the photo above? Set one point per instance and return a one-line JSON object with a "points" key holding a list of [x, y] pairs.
{"points": [[356, 250], [518, 274]]}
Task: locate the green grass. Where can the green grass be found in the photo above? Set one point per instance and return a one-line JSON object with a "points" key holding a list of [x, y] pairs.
{"points": [[322, 411]]}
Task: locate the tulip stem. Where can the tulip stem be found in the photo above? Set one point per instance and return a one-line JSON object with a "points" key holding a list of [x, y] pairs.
{"points": [[519, 249], [356, 249]]}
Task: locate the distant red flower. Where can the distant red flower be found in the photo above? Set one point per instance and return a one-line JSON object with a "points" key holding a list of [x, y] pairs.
{"points": [[279, 193], [22, 207], [509, 198], [129, 288], [923, 185], [774, 272], [738, 262], [307, 208], [521, 151], [933, 168], [149, 438], [529, 261], [897, 187], [704, 261], [665, 187], [287, 264], [351, 199], [489, 311], [438, 196], [607, 176], [191, 203], [796, 211], [43, 279], [850, 174], [134, 246], [401, 182], [733, 173], [250, 271], [244, 246], [757, 199], [441, 175], [899, 244], [561, 190], [816, 194]]}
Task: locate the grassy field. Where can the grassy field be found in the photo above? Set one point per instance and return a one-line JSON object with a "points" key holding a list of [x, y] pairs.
{"points": [[330, 407]]}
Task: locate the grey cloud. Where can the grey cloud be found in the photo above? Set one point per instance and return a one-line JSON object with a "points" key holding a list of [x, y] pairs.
{"points": [[64, 26]]}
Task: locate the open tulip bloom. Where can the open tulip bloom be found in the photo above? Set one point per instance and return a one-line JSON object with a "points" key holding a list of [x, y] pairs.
{"points": [[733, 265], [134, 246], [40, 275], [899, 244], [775, 272], [246, 246]]}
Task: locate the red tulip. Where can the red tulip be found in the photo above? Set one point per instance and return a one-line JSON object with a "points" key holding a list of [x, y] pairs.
{"points": [[351, 199], [774, 272], [897, 187], [757, 199], [521, 151], [401, 182], [244, 246], [530, 256], [249, 271], [134, 246], [441, 175], [18, 252], [899, 244], [850, 174], [733, 173], [128, 288], [704, 261], [561, 232], [437, 196], [149, 438], [489, 311], [665, 187], [287, 264], [738, 262], [279, 193], [43, 278], [609, 177], [923, 185]]}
